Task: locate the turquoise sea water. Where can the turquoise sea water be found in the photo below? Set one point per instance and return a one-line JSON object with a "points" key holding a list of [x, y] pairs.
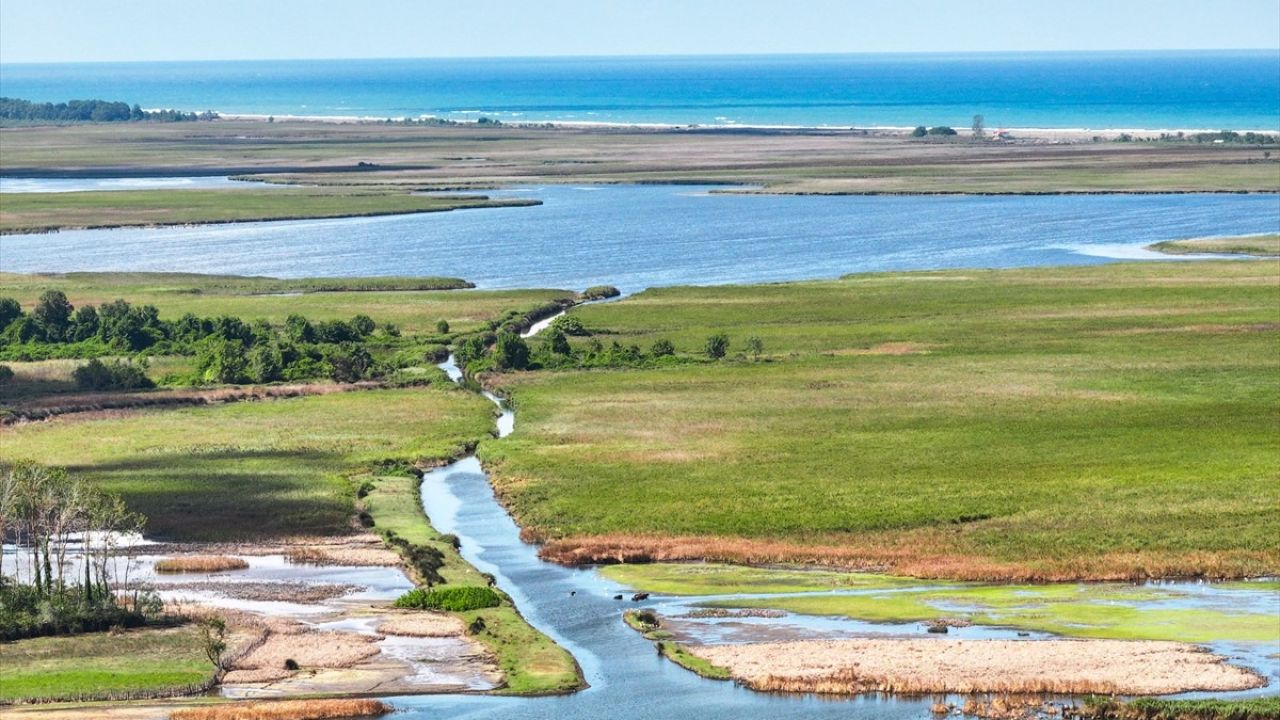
{"points": [[1235, 89]]}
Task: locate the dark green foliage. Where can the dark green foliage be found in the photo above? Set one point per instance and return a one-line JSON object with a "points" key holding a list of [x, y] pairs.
{"points": [[10, 310], [53, 313], [556, 342], [222, 361], [349, 363], [600, 292], [570, 325], [363, 325], [942, 130], [266, 363], [717, 345], [26, 612], [442, 327], [6, 374], [510, 352], [427, 561], [299, 329], [115, 375], [662, 347], [476, 626], [451, 599], [89, 111], [920, 131]]}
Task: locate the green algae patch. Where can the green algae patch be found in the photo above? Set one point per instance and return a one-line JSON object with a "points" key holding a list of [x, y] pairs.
{"points": [[1105, 611], [723, 579]]}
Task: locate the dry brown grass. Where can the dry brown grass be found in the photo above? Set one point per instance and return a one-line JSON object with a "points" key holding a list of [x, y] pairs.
{"points": [[287, 710], [919, 666], [924, 554], [422, 624], [200, 564]]}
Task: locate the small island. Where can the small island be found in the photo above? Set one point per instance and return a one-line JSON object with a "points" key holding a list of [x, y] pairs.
{"points": [[1267, 245]]}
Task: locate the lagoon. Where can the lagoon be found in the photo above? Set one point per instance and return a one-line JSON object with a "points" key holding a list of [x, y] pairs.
{"points": [[638, 236]]}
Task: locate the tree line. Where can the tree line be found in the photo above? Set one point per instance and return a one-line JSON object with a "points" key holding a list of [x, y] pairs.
{"points": [[91, 111], [227, 349]]}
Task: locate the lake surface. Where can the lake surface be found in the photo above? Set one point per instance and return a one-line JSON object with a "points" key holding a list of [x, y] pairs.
{"points": [[1175, 89], [641, 236], [205, 182]]}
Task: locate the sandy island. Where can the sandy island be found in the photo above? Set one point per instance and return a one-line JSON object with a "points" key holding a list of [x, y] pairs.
{"points": [[850, 667]]}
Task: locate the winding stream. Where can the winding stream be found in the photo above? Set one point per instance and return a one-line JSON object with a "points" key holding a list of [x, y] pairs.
{"points": [[577, 608]]}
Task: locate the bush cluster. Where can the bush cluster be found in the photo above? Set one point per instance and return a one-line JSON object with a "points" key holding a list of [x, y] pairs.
{"points": [[451, 599], [90, 111], [26, 612]]}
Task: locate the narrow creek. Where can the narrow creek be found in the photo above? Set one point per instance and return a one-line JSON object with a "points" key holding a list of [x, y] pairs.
{"points": [[577, 608]]}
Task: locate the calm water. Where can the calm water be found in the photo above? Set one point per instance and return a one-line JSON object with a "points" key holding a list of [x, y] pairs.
{"points": [[1239, 90], [641, 236]]}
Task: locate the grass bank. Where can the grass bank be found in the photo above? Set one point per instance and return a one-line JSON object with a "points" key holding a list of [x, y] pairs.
{"points": [[531, 663], [1257, 245], [144, 662], [45, 212], [1104, 422]]}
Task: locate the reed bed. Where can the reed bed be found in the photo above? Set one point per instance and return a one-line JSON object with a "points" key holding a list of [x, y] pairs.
{"points": [[287, 710], [920, 666], [200, 564]]}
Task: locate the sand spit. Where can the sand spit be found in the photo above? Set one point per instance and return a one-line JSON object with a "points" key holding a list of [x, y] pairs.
{"points": [[850, 667]]}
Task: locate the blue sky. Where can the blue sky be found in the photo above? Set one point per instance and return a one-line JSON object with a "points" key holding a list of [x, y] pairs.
{"points": [[127, 30]]}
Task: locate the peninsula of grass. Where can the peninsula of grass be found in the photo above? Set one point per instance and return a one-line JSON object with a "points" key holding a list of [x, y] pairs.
{"points": [[1258, 245], [45, 212], [1106, 422], [531, 663], [1256, 708], [676, 653], [143, 662]]}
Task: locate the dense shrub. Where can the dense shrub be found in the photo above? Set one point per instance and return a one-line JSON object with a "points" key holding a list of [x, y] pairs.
{"points": [[569, 325], [600, 292], [6, 374], [116, 375], [717, 345], [26, 612], [451, 599]]}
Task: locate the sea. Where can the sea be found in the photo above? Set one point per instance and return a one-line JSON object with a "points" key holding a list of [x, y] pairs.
{"points": [[1237, 90]]}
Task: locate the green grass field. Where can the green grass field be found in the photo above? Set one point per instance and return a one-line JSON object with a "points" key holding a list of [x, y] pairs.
{"points": [[102, 664], [1258, 245], [254, 470], [1096, 422], [42, 212]]}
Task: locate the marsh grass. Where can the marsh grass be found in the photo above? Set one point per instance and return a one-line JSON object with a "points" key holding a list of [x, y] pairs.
{"points": [[334, 709], [200, 564], [1107, 422], [44, 212], [1259, 245]]}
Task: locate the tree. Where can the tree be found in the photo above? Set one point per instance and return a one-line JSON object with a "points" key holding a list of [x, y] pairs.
{"points": [[10, 310], [557, 343], [979, 127], [662, 347], [222, 361], [363, 325], [213, 635], [84, 324], [920, 131], [570, 325], [299, 329], [511, 352], [266, 363], [349, 363], [717, 346], [53, 312], [942, 130], [755, 346], [442, 327]]}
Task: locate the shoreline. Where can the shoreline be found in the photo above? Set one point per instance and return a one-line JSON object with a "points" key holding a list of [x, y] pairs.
{"points": [[1032, 132]]}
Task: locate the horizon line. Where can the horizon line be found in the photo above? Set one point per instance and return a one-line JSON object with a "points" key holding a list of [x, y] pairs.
{"points": [[1271, 50]]}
